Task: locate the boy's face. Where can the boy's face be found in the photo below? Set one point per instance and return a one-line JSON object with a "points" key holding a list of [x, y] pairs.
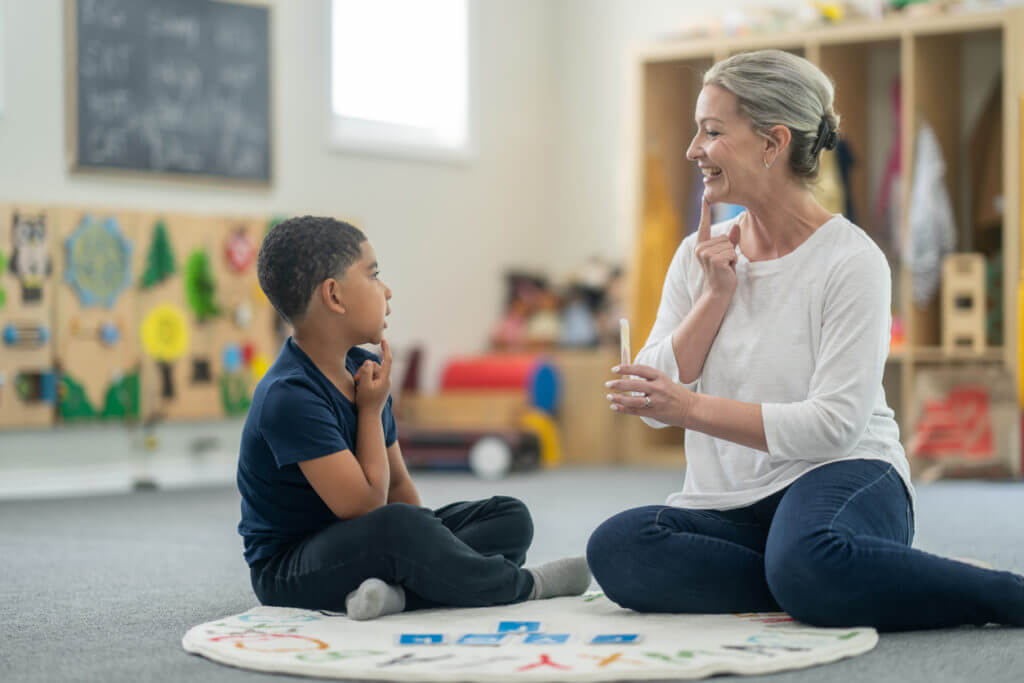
{"points": [[365, 297]]}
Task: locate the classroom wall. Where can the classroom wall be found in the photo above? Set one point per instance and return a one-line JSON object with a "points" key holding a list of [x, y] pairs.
{"points": [[428, 221], [444, 231], [595, 153]]}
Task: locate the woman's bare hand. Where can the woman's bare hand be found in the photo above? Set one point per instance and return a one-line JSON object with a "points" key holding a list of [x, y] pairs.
{"points": [[717, 255], [661, 399]]}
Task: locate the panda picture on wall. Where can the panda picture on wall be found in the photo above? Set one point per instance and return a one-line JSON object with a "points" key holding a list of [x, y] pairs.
{"points": [[30, 258]]}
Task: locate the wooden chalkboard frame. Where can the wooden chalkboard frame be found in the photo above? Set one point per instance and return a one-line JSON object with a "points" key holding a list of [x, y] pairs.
{"points": [[71, 113]]}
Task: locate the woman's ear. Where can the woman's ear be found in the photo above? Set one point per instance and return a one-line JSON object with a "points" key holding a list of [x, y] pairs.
{"points": [[776, 142]]}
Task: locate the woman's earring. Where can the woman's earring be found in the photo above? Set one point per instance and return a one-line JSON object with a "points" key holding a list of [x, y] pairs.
{"points": [[766, 164]]}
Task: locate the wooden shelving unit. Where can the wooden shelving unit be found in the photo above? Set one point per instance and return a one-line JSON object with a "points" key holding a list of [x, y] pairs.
{"points": [[945, 64]]}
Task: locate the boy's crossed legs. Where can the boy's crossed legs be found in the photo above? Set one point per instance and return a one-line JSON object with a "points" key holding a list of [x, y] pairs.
{"points": [[463, 555]]}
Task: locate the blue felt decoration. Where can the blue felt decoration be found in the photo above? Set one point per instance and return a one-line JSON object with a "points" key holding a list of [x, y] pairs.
{"points": [[232, 357], [99, 261], [109, 334]]}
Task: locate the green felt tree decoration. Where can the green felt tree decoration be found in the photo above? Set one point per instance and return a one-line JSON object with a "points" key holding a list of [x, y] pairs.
{"points": [[200, 286], [160, 258], [234, 393], [122, 400], [74, 404]]}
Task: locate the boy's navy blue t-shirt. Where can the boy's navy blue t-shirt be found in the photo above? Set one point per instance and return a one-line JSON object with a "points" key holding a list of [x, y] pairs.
{"points": [[296, 414]]}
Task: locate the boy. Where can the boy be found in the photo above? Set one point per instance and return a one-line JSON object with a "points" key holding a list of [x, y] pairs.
{"points": [[330, 517]]}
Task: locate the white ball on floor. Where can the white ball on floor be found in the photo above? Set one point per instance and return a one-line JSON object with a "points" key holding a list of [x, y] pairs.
{"points": [[490, 457]]}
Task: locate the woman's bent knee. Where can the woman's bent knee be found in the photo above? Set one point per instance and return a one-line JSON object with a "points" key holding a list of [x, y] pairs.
{"points": [[808, 578], [611, 554]]}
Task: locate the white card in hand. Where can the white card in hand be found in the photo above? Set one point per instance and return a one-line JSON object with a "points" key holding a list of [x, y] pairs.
{"points": [[625, 357]]}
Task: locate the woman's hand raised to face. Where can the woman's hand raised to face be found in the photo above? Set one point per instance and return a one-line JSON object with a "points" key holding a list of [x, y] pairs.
{"points": [[660, 399], [717, 255]]}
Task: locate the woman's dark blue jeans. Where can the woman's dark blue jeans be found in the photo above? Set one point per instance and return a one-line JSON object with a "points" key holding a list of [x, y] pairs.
{"points": [[832, 549]]}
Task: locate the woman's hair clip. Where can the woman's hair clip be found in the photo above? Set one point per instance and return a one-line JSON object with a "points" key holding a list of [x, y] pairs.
{"points": [[827, 138]]}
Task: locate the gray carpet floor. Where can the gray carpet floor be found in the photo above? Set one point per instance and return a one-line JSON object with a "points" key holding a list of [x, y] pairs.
{"points": [[103, 588]]}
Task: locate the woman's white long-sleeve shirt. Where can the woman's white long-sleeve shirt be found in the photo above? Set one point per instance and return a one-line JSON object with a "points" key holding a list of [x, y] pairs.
{"points": [[806, 337]]}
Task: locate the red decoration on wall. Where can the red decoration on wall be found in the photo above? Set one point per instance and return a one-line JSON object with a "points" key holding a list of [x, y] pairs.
{"points": [[239, 250], [248, 351]]}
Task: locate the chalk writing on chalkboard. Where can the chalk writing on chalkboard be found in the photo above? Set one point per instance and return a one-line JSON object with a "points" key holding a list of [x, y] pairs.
{"points": [[172, 86]]}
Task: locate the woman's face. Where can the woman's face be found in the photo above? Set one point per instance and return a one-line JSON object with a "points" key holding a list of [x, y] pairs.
{"points": [[727, 150]]}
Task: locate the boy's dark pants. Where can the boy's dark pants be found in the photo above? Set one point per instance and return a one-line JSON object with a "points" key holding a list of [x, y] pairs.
{"points": [[463, 555]]}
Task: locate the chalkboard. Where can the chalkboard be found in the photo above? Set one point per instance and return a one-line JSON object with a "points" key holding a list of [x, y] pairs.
{"points": [[170, 86]]}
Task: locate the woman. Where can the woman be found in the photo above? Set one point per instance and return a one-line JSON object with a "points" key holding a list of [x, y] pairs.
{"points": [[768, 348]]}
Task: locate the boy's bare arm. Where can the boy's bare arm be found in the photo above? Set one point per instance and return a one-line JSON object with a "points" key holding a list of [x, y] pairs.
{"points": [[352, 484], [403, 490]]}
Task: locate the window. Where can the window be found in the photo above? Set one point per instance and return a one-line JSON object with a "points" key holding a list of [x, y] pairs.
{"points": [[400, 77]]}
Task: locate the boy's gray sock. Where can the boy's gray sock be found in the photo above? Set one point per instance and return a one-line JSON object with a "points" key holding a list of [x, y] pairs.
{"points": [[568, 576], [373, 599]]}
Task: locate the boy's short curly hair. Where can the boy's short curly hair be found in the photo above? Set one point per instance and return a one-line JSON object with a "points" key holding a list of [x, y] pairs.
{"points": [[300, 253]]}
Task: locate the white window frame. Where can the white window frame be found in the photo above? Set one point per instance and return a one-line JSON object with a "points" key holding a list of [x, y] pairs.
{"points": [[384, 139]]}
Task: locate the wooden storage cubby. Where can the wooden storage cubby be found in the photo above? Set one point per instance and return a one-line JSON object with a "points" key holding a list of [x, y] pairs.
{"points": [[670, 95], [947, 66]]}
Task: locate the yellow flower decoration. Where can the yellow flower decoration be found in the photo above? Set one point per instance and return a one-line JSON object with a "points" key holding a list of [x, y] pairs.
{"points": [[258, 368], [165, 333]]}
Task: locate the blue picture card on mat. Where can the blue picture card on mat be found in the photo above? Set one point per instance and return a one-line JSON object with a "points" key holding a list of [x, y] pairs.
{"points": [[615, 639], [482, 639], [519, 627], [421, 639], [546, 639]]}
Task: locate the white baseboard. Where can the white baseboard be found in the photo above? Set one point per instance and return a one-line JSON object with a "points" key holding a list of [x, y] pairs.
{"points": [[163, 472]]}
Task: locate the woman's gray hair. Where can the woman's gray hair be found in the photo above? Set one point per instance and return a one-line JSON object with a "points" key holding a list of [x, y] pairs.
{"points": [[779, 88]]}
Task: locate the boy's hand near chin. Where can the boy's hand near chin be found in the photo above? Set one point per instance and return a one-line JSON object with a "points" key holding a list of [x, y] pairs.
{"points": [[373, 381]]}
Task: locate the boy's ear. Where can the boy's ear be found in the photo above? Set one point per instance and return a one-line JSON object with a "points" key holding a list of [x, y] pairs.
{"points": [[330, 292]]}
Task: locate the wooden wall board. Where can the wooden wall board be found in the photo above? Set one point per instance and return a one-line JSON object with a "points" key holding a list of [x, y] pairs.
{"points": [[96, 294], [27, 292], [176, 388], [94, 316], [249, 319], [227, 349]]}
